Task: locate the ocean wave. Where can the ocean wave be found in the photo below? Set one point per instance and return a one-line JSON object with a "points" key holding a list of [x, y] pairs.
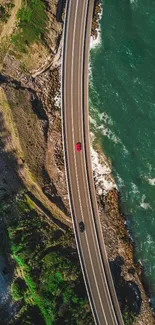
{"points": [[134, 2], [104, 117], [125, 150], [149, 240], [103, 179], [134, 188], [151, 181], [97, 41], [100, 116], [92, 121], [120, 181], [143, 204], [94, 91], [102, 122], [108, 133], [102, 128]]}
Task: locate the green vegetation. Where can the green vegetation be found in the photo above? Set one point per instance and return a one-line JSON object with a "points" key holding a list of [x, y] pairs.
{"points": [[5, 10], [48, 282], [31, 23], [16, 290], [128, 317]]}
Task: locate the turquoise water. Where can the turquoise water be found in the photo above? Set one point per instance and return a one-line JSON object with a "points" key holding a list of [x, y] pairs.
{"points": [[122, 104]]}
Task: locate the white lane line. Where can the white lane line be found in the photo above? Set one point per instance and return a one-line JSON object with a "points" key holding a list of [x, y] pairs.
{"points": [[99, 227], [86, 238], [67, 170], [87, 197], [76, 173], [96, 245], [89, 208]]}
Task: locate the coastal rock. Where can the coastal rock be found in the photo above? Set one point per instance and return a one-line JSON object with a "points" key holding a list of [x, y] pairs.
{"points": [[132, 296], [128, 292]]}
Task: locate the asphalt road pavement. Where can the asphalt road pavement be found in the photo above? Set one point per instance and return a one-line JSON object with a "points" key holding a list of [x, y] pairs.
{"points": [[90, 243]]}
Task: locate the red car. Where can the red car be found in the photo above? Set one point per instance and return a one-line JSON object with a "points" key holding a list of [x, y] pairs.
{"points": [[78, 146]]}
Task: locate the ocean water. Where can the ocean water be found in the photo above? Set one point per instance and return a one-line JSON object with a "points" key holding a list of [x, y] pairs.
{"points": [[122, 109]]}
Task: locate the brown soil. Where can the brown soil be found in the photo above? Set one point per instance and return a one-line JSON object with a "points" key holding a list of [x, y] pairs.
{"points": [[8, 28], [32, 124]]}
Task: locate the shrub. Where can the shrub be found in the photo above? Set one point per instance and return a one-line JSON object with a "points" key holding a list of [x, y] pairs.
{"points": [[31, 24], [5, 11], [16, 291]]}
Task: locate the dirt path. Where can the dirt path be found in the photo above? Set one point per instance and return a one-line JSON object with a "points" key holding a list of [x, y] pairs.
{"points": [[9, 26]]}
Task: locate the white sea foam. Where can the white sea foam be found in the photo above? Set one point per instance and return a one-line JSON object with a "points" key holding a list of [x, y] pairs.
{"points": [[125, 151], [102, 123], [102, 128], [134, 188], [94, 42], [150, 167], [143, 204], [120, 181], [149, 239], [151, 181], [101, 167], [92, 121], [101, 171], [134, 3], [103, 117], [108, 133]]}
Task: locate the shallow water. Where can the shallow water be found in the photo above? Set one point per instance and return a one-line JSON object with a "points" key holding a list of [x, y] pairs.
{"points": [[122, 107]]}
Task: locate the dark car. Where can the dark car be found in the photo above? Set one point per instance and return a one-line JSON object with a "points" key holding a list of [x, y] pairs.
{"points": [[81, 226]]}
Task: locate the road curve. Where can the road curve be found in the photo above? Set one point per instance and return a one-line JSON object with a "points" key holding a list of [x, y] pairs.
{"points": [[90, 244]]}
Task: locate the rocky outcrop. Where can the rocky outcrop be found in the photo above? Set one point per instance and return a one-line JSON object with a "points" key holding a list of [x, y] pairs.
{"points": [[128, 292]]}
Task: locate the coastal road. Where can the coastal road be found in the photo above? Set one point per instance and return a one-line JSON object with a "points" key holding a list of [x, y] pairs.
{"points": [[90, 243]]}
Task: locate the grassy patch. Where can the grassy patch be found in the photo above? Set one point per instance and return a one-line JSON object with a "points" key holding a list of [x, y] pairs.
{"points": [[31, 23], [34, 58], [4, 45], [48, 277], [8, 122]]}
